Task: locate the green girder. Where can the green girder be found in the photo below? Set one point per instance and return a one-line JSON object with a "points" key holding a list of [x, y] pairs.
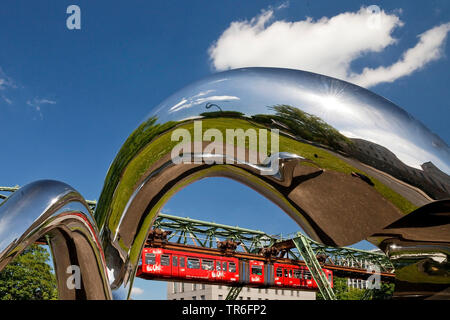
{"points": [[203, 233], [303, 246], [234, 293]]}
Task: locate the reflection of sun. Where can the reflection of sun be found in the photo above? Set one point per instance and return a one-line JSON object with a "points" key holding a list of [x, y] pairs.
{"points": [[333, 103], [329, 102], [332, 98]]}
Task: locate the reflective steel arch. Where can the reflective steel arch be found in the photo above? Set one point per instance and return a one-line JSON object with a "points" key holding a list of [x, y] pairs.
{"points": [[371, 164], [349, 165], [56, 211]]}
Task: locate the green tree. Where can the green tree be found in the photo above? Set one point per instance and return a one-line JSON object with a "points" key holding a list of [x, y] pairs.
{"points": [[305, 125], [385, 292], [28, 277], [310, 126], [343, 292]]}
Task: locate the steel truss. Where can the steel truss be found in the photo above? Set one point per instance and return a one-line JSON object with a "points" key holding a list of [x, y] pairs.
{"points": [[206, 234], [202, 233], [303, 246]]}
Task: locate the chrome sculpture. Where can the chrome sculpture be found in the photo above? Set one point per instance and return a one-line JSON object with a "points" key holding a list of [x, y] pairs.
{"points": [[351, 165], [56, 211]]}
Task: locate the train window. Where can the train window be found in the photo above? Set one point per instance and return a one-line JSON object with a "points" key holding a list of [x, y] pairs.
{"points": [[257, 270], [224, 266], [181, 262], [165, 260], [329, 277], [193, 263], [290, 273], [218, 265], [150, 258], [279, 272], [307, 275], [207, 264], [285, 273], [175, 261], [232, 267], [297, 274]]}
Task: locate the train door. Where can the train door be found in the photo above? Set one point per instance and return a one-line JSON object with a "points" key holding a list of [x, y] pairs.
{"points": [[218, 270], [308, 279], [256, 272], [166, 268], [232, 271], [182, 266], [291, 277], [287, 277], [175, 266], [225, 270], [217, 273], [302, 277], [297, 277], [278, 275]]}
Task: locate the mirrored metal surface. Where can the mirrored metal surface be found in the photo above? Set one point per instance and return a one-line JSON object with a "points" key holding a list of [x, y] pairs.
{"points": [[342, 162], [370, 163], [53, 211]]}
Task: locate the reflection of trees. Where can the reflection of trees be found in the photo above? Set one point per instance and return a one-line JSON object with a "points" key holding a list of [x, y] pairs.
{"points": [[304, 125], [145, 133], [29, 277], [151, 140], [297, 122]]}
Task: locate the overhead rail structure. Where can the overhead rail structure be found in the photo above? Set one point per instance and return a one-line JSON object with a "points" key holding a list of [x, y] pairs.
{"points": [[190, 234]]}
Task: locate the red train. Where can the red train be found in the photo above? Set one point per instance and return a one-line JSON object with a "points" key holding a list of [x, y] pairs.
{"points": [[163, 263]]}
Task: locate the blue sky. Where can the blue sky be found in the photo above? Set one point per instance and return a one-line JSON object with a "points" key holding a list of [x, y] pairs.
{"points": [[70, 98]]}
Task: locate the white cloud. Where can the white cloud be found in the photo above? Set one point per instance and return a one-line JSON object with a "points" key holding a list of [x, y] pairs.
{"points": [[5, 82], [327, 46], [36, 104], [199, 98], [135, 291], [44, 101], [428, 49], [6, 99]]}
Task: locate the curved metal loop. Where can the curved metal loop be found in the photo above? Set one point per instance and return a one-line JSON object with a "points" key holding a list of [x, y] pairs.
{"points": [[373, 163], [55, 211], [344, 163]]}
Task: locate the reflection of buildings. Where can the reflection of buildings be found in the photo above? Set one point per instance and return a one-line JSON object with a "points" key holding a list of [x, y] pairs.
{"points": [[307, 128], [432, 180], [196, 291], [357, 283]]}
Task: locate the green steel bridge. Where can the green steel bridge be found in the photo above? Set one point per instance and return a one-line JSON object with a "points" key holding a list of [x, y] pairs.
{"points": [[342, 260]]}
